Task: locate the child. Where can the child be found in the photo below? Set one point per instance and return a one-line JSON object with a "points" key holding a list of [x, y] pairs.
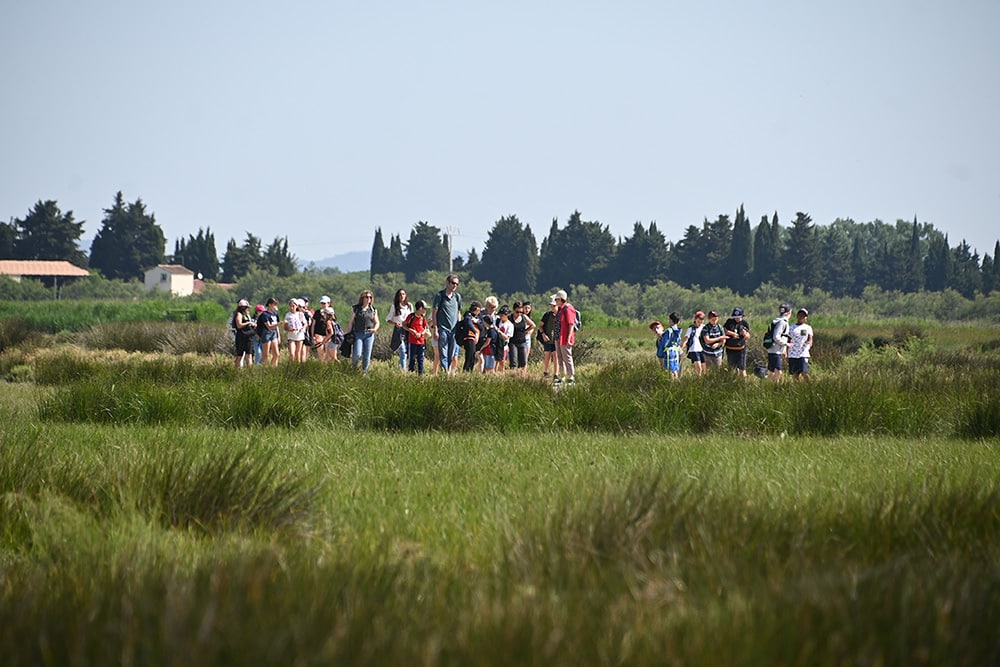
{"points": [[489, 345], [801, 344], [416, 335], [692, 344], [506, 329], [672, 346]]}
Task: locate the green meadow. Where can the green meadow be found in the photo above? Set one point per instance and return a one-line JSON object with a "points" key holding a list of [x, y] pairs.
{"points": [[161, 507]]}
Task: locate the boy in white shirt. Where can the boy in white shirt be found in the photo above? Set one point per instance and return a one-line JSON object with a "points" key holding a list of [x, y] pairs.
{"points": [[801, 343]]}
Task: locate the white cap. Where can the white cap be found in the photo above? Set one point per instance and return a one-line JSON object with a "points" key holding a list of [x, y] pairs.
{"points": [[324, 299]]}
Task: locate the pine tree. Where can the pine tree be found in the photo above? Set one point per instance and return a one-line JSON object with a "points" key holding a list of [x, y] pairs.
{"points": [[937, 267], [739, 265], [379, 255], [128, 243], [911, 269], [278, 260], [510, 258], [395, 261], [965, 272], [47, 233], [425, 251], [766, 252], [803, 245], [239, 261]]}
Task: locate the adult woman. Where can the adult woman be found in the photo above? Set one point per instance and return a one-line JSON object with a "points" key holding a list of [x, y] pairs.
{"points": [[295, 326], [363, 323], [244, 334], [401, 310], [523, 326], [322, 328], [546, 335]]}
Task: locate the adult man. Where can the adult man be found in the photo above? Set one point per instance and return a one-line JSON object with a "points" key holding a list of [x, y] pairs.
{"points": [[737, 334], [446, 311], [801, 343], [779, 342], [565, 337], [712, 338]]}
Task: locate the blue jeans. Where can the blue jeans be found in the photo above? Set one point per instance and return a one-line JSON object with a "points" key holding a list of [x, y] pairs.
{"points": [[416, 355], [403, 353], [446, 347], [362, 350]]}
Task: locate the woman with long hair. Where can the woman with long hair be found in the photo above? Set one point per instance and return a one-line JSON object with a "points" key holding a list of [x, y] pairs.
{"points": [[401, 309], [363, 323]]}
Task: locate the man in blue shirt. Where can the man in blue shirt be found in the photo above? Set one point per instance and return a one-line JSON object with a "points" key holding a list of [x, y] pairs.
{"points": [[446, 311]]}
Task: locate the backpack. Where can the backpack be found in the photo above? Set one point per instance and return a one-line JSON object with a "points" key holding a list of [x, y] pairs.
{"points": [[461, 330], [769, 336]]}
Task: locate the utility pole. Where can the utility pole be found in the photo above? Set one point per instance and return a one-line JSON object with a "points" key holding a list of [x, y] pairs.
{"points": [[450, 232]]}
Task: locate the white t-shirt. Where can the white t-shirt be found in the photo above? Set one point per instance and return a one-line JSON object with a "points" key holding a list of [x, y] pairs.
{"points": [[404, 312], [801, 335], [695, 345], [295, 326]]}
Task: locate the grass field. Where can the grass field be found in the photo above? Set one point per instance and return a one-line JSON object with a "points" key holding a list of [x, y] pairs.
{"points": [[167, 509]]}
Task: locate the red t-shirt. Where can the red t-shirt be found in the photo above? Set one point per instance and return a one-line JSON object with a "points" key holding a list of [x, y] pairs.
{"points": [[419, 324]]}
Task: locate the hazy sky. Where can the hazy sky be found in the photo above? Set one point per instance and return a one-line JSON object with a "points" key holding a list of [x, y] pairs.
{"points": [[322, 120]]}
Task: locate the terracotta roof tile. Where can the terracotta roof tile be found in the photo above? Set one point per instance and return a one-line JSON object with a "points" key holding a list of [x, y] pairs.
{"points": [[34, 267]]}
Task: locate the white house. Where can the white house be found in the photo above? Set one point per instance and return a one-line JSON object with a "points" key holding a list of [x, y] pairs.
{"points": [[172, 278]]}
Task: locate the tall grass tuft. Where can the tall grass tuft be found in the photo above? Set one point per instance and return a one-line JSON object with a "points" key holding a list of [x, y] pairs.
{"points": [[224, 491]]}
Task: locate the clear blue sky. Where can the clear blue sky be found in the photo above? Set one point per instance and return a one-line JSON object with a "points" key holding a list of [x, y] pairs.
{"points": [[322, 120]]}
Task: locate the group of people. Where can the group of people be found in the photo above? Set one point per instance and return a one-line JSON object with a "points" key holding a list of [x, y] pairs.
{"points": [[257, 333], [704, 343], [493, 337]]}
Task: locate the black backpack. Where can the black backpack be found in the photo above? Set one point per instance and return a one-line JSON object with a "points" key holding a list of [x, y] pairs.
{"points": [[262, 324]]}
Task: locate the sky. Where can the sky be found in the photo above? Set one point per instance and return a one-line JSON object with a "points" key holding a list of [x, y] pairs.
{"points": [[324, 120]]}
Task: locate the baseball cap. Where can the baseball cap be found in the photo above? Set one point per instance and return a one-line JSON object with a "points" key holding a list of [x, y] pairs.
{"points": [[259, 308], [552, 300], [324, 299], [803, 311], [700, 314], [301, 303], [737, 312], [243, 304], [784, 308], [712, 313], [655, 323], [561, 295]]}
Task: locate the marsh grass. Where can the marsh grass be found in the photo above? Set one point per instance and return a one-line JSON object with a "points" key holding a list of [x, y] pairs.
{"points": [[917, 391], [562, 549]]}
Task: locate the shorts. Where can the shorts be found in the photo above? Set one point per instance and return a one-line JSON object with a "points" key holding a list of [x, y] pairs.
{"points": [[773, 362], [737, 359], [798, 365], [672, 362], [696, 356], [244, 345], [549, 347], [713, 360], [489, 362]]}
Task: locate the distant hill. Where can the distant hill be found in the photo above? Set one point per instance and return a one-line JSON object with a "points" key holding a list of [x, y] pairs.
{"points": [[347, 262]]}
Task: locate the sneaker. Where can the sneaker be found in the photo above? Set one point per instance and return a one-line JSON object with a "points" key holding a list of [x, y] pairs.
{"points": [[545, 374], [571, 381], [557, 380]]}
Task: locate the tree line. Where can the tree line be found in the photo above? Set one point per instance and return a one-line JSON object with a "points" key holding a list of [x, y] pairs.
{"points": [[130, 241], [841, 258]]}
